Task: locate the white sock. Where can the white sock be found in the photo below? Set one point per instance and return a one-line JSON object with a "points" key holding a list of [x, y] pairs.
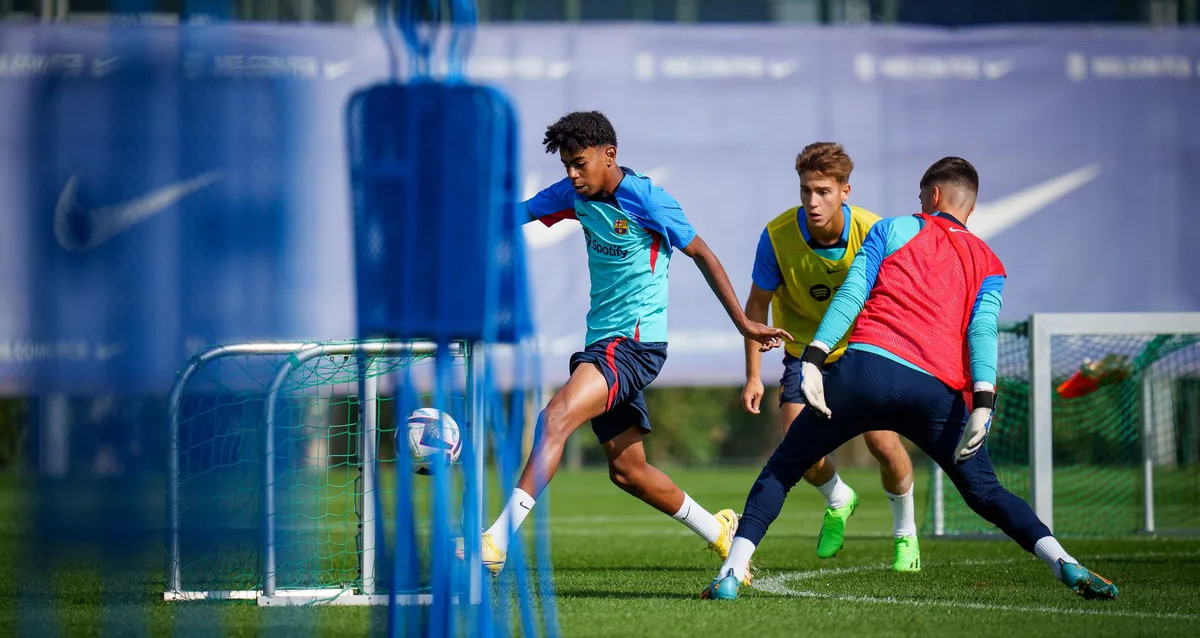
{"points": [[1048, 549], [903, 518], [698, 519], [518, 507], [836, 492], [739, 559]]}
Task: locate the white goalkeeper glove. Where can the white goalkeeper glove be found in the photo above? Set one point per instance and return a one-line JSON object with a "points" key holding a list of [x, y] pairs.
{"points": [[976, 430], [812, 382]]}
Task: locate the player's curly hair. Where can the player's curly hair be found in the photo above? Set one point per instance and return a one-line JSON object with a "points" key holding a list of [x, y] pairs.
{"points": [[826, 158], [579, 130], [954, 171]]}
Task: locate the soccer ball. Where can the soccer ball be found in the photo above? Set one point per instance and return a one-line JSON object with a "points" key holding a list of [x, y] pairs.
{"points": [[432, 434]]}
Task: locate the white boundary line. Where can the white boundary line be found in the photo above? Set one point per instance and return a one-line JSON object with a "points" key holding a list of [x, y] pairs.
{"points": [[778, 584]]}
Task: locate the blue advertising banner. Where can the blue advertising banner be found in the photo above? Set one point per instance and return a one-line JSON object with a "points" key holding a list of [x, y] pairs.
{"points": [[166, 188]]}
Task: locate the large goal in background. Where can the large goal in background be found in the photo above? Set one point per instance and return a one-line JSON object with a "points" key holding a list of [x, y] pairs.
{"points": [[283, 470], [1097, 426]]}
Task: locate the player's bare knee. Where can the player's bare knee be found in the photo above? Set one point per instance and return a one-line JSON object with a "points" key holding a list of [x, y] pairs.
{"points": [[626, 475], [624, 478], [556, 422], [889, 452]]}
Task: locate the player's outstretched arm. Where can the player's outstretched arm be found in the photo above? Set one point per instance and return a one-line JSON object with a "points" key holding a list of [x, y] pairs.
{"points": [[983, 349], [718, 280], [757, 305]]}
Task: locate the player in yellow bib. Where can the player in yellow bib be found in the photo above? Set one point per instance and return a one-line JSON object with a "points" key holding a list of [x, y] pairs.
{"points": [[802, 258]]}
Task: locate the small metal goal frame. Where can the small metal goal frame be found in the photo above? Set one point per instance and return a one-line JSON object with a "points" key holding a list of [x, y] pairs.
{"points": [[300, 352]]}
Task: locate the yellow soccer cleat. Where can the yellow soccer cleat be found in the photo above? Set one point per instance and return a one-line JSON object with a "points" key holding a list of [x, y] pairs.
{"points": [[729, 524], [492, 557]]}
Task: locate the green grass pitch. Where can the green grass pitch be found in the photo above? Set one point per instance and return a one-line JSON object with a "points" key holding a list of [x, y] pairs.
{"points": [[624, 569]]}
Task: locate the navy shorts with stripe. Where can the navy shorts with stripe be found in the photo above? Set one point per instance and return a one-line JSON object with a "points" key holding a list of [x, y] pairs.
{"points": [[789, 383], [628, 366]]}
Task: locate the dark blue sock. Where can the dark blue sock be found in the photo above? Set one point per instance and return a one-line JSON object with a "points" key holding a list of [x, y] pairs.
{"points": [[765, 501]]}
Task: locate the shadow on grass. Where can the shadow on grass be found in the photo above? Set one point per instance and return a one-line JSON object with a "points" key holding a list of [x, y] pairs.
{"points": [[630, 569], [647, 595]]}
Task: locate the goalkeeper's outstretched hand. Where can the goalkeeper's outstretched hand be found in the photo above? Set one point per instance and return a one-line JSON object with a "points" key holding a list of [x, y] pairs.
{"points": [[812, 382]]}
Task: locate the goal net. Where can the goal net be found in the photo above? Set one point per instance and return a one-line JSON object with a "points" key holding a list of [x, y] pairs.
{"points": [[282, 477], [1097, 426]]}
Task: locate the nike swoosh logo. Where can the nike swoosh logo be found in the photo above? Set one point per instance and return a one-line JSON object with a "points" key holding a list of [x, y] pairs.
{"points": [[78, 229], [989, 219], [335, 70], [957, 230], [103, 66], [996, 69], [831, 271], [996, 217]]}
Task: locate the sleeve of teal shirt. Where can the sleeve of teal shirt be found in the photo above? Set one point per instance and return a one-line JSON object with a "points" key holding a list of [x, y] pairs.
{"points": [[983, 336], [664, 215], [553, 203]]}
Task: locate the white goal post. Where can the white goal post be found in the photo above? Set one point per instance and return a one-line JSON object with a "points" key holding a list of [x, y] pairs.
{"points": [[1156, 402], [289, 357]]}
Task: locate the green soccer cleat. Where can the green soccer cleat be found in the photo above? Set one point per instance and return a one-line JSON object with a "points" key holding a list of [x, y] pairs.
{"points": [[721, 588], [833, 528], [908, 555], [1086, 582]]}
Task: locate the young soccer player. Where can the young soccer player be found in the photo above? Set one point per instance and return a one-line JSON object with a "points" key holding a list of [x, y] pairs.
{"points": [[922, 361], [630, 228], [802, 258]]}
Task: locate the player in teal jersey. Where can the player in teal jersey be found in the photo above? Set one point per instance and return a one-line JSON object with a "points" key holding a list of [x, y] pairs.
{"points": [[631, 228]]}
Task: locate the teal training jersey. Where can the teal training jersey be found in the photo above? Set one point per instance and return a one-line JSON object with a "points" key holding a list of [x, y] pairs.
{"points": [[628, 236]]}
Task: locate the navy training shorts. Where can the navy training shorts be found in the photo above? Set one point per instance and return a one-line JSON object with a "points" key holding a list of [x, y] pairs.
{"points": [[628, 366]]}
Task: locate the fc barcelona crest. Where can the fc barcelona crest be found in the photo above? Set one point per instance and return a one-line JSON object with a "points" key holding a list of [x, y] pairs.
{"points": [[621, 226]]}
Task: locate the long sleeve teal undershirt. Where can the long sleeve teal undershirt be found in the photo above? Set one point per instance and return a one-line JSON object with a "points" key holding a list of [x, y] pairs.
{"points": [[885, 238]]}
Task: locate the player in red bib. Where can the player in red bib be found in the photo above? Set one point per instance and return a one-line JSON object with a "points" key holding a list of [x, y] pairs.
{"points": [[921, 361]]}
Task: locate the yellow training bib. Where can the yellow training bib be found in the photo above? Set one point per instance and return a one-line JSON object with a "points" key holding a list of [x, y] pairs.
{"points": [[809, 280]]}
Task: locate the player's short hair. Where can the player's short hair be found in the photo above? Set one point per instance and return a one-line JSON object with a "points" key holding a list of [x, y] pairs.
{"points": [[826, 158], [579, 130], [953, 171]]}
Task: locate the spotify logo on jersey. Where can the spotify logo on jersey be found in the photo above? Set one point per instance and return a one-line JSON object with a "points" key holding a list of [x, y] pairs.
{"points": [[821, 292]]}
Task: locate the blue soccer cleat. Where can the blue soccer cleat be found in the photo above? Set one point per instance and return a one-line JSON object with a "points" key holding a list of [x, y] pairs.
{"points": [[1086, 582], [722, 588]]}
